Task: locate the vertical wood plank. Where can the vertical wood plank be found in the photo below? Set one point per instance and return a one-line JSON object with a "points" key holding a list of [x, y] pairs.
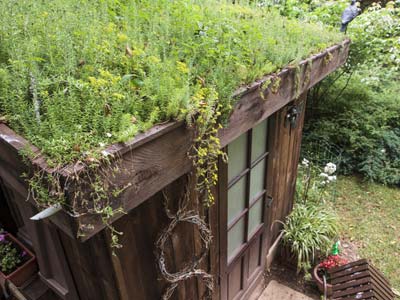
{"points": [[92, 267]]}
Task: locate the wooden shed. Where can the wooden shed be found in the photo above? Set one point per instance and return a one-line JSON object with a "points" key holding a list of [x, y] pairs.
{"points": [[256, 187]]}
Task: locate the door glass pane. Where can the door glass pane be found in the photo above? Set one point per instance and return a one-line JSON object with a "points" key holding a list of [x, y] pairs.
{"points": [[255, 216], [237, 156], [235, 237], [259, 140], [257, 181], [236, 199]]}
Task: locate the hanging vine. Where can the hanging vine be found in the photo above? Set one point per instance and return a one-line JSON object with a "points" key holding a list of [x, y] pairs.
{"points": [[206, 151], [91, 191]]}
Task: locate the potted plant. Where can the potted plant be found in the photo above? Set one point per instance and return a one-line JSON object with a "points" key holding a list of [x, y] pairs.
{"points": [[17, 263], [321, 270]]}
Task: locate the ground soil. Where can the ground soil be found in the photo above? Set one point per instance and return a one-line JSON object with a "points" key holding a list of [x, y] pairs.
{"points": [[288, 276]]}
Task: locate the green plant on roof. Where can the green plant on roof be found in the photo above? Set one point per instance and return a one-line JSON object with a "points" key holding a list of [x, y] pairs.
{"points": [[76, 76], [104, 71]]}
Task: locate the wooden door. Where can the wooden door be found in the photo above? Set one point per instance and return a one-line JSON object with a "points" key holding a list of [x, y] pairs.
{"points": [[243, 204], [262, 166]]}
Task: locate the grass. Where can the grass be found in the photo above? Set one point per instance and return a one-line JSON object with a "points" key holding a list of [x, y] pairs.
{"points": [[77, 75], [370, 217]]}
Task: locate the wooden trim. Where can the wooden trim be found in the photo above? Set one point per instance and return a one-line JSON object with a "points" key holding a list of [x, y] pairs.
{"points": [[238, 177], [239, 253], [252, 109], [258, 160], [223, 220], [248, 185], [237, 218], [258, 197], [156, 161]]}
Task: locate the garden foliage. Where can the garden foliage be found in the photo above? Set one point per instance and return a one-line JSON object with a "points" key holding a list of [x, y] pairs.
{"points": [[76, 76], [312, 226], [358, 108]]}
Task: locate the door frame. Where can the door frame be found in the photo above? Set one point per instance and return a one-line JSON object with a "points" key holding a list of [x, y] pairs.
{"points": [[262, 232]]}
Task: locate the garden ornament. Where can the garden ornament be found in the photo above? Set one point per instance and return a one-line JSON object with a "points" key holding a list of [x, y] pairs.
{"points": [[349, 14]]}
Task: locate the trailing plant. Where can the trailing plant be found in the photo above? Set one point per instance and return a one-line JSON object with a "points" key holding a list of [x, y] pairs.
{"points": [[206, 149]]}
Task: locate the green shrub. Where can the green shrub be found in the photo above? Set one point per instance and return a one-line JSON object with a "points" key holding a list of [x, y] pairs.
{"points": [[309, 229], [357, 109], [365, 124]]}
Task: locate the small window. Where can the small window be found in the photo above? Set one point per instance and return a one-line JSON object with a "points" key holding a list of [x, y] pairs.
{"points": [[247, 163], [237, 154]]}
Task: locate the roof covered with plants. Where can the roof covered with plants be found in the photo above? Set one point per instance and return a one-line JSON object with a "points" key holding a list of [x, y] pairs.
{"points": [[76, 76]]}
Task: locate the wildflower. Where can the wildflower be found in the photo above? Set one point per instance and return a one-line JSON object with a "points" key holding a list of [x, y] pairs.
{"points": [[2, 238], [330, 168], [305, 162], [331, 178], [324, 175], [122, 38], [182, 67], [108, 135], [23, 254]]}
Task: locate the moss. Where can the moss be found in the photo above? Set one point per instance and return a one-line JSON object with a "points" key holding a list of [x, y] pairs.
{"points": [[106, 70]]}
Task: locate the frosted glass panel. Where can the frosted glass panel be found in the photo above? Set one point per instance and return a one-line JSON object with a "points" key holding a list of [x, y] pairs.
{"points": [[259, 140], [237, 154], [255, 216], [236, 198], [235, 237], [257, 179]]}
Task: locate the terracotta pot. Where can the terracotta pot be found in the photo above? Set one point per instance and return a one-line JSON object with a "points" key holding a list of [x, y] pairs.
{"points": [[24, 272], [320, 282]]}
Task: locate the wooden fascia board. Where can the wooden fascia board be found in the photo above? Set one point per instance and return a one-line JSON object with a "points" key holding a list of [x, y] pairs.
{"points": [[158, 157]]}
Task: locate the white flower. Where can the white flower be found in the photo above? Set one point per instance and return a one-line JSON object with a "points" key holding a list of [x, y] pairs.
{"points": [[383, 150], [102, 145], [331, 178], [108, 135], [305, 162], [330, 168], [324, 175]]}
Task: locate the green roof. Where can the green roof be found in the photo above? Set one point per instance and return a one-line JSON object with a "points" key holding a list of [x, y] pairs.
{"points": [[78, 75]]}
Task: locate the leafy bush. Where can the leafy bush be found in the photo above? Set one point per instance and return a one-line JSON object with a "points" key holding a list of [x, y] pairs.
{"points": [[365, 124], [309, 229], [357, 108], [79, 75]]}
